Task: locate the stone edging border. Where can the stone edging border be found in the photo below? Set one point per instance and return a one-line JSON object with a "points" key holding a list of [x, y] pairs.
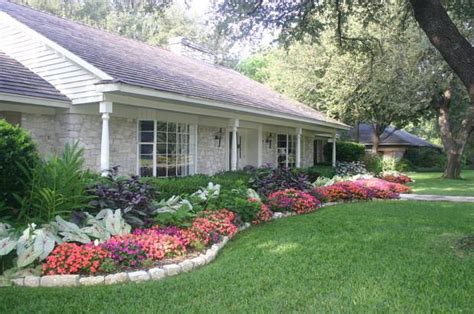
{"points": [[156, 273]]}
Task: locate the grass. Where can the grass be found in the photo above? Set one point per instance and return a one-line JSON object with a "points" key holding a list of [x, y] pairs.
{"points": [[432, 183], [362, 257]]}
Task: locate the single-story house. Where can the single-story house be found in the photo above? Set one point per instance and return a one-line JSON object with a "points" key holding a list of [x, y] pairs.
{"points": [[152, 111], [393, 142]]}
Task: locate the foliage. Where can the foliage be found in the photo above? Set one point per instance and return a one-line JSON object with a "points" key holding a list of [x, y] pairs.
{"points": [[373, 163], [238, 201], [35, 244], [267, 180], [425, 157], [394, 164], [362, 189], [169, 187], [56, 186], [345, 151], [211, 226], [314, 172], [293, 200], [71, 258], [16, 148], [350, 168], [133, 196], [174, 212]]}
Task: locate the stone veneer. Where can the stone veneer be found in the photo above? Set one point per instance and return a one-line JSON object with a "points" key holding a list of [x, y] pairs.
{"points": [[52, 132], [210, 157]]}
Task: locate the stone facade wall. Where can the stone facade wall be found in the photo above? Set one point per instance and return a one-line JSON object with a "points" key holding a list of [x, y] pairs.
{"points": [[211, 158], [307, 157], [42, 128], [52, 132]]}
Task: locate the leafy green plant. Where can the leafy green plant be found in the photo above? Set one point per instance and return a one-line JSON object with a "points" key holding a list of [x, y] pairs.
{"points": [[373, 163], [17, 149], [56, 186], [345, 151]]}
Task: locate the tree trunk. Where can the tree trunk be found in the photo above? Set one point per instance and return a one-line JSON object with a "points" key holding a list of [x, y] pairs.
{"points": [[453, 144], [357, 132], [443, 34], [375, 142], [453, 167]]}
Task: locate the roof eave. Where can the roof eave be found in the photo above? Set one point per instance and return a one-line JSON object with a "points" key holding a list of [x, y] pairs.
{"points": [[107, 86]]}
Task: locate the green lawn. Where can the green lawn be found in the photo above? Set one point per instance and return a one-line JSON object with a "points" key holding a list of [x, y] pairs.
{"points": [[376, 256], [432, 183]]}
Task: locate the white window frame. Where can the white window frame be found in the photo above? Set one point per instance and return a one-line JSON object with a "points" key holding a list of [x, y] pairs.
{"points": [[191, 147], [286, 148]]}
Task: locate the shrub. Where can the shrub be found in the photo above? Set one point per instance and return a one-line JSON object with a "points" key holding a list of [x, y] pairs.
{"points": [[169, 187], [345, 151], [132, 196], [56, 186], [425, 157], [71, 258], [373, 162], [16, 149], [267, 180], [395, 164], [292, 200], [313, 173], [237, 201], [350, 168]]}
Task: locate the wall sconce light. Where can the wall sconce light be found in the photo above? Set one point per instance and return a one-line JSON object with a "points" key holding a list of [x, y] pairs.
{"points": [[269, 139], [218, 137]]}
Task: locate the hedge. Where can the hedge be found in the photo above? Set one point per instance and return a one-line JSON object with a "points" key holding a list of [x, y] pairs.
{"points": [[345, 151]]}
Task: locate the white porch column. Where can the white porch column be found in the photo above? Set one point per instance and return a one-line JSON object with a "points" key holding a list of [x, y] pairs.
{"points": [[233, 156], [334, 150], [105, 109], [259, 146], [298, 147]]}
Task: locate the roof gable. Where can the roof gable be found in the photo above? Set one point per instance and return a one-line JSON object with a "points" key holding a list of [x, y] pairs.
{"points": [[18, 80], [136, 63]]}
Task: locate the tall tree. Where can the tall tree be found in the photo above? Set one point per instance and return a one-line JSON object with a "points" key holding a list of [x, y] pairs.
{"points": [[297, 20]]}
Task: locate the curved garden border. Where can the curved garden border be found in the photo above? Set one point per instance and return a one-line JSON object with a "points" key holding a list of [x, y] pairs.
{"points": [[156, 273]]}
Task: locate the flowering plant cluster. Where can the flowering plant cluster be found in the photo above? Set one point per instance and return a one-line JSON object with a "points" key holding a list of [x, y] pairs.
{"points": [[363, 189], [293, 200], [71, 258], [400, 179], [132, 250], [264, 214]]}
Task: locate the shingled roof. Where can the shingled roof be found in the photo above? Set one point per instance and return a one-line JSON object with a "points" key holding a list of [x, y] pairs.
{"points": [[18, 80], [397, 138], [135, 63]]}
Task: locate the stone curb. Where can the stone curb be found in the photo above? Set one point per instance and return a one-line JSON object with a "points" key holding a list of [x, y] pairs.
{"points": [[156, 273]]}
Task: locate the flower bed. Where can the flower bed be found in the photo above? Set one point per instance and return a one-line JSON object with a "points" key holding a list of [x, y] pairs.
{"points": [[143, 253], [362, 189]]}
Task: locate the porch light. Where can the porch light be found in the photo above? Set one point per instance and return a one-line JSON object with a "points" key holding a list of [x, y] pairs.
{"points": [[269, 139], [218, 137]]}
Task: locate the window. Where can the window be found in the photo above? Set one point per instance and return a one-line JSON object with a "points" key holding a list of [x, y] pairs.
{"points": [[166, 149], [286, 150]]}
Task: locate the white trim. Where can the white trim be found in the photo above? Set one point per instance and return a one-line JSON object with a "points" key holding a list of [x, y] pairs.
{"points": [[120, 87], [66, 53], [31, 100]]}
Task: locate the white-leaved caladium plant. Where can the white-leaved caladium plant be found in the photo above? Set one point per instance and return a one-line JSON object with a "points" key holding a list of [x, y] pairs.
{"points": [[210, 192], [37, 243], [173, 204]]}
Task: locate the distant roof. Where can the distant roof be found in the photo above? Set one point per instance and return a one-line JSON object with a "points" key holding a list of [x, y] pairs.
{"points": [[135, 63], [397, 138], [18, 80]]}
